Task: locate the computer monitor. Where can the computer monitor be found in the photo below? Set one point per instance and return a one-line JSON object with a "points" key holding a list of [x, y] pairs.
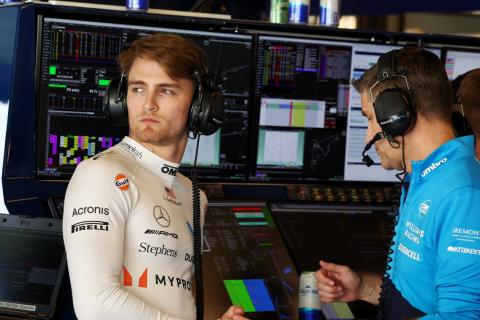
{"points": [[77, 60], [364, 56], [301, 96], [246, 263], [459, 61], [310, 126]]}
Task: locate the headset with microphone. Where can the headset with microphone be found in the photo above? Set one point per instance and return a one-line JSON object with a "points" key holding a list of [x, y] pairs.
{"points": [[206, 111], [366, 159], [393, 107]]}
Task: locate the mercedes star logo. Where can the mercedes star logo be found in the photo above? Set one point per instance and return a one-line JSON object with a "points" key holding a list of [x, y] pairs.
{"points": [[161, 216]]}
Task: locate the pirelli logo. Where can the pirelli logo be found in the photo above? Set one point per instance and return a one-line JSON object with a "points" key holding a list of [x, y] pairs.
{"points": [[90, 226]]}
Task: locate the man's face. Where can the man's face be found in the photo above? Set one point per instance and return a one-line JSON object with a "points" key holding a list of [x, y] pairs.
{"points": [[391, 158], [158, 105]]}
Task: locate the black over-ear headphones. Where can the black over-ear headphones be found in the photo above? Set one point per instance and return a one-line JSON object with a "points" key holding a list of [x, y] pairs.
{"points": [[393, 107], [206, 111]]}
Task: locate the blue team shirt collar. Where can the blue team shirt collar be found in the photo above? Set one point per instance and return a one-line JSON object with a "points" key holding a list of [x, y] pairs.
{"points": [[165, 169], [450, 150]]}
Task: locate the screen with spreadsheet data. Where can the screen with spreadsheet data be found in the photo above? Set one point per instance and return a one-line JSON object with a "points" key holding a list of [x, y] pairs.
{"points": [[76, 64], [302, 90], [310, 127]]}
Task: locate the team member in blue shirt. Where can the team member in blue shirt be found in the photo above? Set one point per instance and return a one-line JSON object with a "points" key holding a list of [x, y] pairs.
{"points": [[434, 265]]}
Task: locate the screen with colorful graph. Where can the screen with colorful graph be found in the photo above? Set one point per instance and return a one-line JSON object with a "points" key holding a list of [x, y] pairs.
{"points": [[302, 91], [458, 62], [76, 64], [246, 263]]}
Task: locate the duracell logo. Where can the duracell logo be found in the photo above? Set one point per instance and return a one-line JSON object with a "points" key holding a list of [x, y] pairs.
{"points": [[169, 170], [90, 225]]}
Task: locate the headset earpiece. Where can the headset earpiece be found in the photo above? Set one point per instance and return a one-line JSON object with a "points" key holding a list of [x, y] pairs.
{"points": [[206, 112], [393, 107], [392, 111], [115, 101]]}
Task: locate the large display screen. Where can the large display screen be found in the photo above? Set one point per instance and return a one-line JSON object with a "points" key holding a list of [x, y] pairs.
{"points": [[77, 62], [310, 126], [458, 62]]}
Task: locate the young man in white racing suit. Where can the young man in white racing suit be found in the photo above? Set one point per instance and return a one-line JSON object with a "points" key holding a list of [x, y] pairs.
{"points": [[128, 212]]}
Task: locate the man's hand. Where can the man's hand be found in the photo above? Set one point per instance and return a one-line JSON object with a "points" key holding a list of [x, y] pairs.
{"points": [[337, 283], [340, 283], [234, 313]]}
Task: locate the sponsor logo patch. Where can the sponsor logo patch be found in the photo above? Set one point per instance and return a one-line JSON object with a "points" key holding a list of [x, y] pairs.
{"points": [[162, 233], [463, 250], [433, 166], [423, 208], [90, 225], [161, 216], [90, 210], [122, 182], [131, 150], [128, 280], [173, 282], [172, 171], [170, 193], [157, 250]]}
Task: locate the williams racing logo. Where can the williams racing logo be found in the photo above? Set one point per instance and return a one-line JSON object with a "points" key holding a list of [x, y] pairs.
{"points": [[161, 216], [172, 171], [90, 225], [122, 182]]}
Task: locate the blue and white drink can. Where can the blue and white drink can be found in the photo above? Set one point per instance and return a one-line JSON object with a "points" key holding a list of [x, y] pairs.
{"points": [[298, 11], [309, 305], [137, 5], [329, 13]]}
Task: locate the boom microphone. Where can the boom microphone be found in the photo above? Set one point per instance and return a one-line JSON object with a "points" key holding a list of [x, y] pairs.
{"points": [[366, 158]]}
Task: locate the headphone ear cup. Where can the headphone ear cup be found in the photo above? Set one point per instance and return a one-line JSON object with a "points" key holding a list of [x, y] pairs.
{"points": [[114, 102], [207, 110], [394, 112]]}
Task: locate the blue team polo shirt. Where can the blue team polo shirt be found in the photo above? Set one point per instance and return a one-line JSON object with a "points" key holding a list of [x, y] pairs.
{"points": [[436, 254]]}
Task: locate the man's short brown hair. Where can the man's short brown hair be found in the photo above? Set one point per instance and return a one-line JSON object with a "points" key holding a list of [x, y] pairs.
{"points": [[427, 79], [180, 57]]}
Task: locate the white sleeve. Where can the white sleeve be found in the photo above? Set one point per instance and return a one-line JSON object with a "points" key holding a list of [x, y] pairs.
{"points": [[93, 228]]}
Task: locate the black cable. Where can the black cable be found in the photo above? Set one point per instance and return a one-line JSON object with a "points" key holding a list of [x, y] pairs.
{"points": [[197, 238], [384, 304]]}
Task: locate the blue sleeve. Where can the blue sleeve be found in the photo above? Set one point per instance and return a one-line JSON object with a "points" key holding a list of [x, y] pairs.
{"points": [[457, 280]]}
